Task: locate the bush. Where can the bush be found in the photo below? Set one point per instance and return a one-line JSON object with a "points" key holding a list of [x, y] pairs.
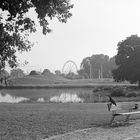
{"points": [[96, 89], [33, 72], [131, 94], [88, 97], [117, 92], [108, 88]]}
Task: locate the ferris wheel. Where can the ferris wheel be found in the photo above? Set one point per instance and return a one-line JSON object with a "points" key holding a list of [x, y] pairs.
{"points": [[69, 67]]}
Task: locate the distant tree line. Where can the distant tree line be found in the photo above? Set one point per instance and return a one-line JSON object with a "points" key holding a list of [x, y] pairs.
{"points": [[97, 66], [6, 78], [125, 66]]}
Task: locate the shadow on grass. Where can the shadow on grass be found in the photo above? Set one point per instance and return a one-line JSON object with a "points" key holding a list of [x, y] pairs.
{"points": [[118, 124], [34, 121]]}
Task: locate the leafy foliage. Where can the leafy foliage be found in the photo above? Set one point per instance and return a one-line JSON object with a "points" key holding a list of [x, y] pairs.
{"points": [[17, 73], [33, 72], [131, 94], [117, 92], [3, 74], [95, 64], [85, 68], [15, 25], [46, 71], [127, 59]]}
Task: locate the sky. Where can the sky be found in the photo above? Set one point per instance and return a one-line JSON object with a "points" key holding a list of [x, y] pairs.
{"points": [[96, 27]]}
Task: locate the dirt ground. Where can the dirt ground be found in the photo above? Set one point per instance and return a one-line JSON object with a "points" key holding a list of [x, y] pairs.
{"points": [[119, 131]]}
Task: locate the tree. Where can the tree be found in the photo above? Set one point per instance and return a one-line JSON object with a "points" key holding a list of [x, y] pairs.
{"points": [[85, 68], [15, 25], [58, 72], [97, 66], [17, 73], [71, 75], [4, 75], [127, 60], [46, 71], [83, 74], [34, 72]]}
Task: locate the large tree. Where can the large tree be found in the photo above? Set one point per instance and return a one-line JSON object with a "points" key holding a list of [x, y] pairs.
{"points": [[97, 66], [15, 25], [128, 60], [17, 73], [85, 68]]}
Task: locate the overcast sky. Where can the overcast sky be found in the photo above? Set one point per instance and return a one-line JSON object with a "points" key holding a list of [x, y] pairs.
{"points": [[95, 27]]}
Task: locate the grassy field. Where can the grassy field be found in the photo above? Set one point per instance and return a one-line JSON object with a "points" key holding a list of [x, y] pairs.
{"points": [[36, 121], [50, 80]]}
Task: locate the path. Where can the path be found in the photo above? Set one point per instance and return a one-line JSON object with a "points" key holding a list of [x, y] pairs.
{"points": [[124, 132]]}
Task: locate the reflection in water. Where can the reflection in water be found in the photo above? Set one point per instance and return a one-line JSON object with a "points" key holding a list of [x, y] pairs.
{"points": [[7, 98], [66, 97], [40, 100]]}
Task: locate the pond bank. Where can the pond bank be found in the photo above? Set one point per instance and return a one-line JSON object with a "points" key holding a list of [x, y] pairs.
{"points": [[88, 85]]}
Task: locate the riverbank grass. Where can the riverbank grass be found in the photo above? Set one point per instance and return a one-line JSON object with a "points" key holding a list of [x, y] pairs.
{"points": [[34, 121]]}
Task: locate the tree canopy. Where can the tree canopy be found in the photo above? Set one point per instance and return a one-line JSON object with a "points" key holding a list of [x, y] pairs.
{"points": [[127, 60], [17, 73], [15, 25], [97, 66]]}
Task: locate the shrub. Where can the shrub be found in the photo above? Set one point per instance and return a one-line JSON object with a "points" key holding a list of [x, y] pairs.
{"points": [[97, 89], [107, 88], [117, 92], [88, 97], [131, 94], [33, 72]]}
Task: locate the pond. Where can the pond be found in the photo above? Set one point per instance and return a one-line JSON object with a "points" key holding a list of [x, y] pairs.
{"points": [[7, 98], [43, 95]]}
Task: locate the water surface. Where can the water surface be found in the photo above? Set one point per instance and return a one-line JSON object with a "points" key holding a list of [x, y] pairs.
{"points": [[7, 98], [42, 95]]}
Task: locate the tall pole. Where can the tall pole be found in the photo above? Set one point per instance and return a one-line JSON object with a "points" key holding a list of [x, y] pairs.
{"points": [[101, 71], [90, 71]]}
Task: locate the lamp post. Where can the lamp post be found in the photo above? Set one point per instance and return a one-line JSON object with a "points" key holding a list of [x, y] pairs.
{"points": [[101, 72]]}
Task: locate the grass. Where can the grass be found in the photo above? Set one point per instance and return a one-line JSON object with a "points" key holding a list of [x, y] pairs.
{"points": [[37, 121], [51, 80], [37, 80], [34, 121]]}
